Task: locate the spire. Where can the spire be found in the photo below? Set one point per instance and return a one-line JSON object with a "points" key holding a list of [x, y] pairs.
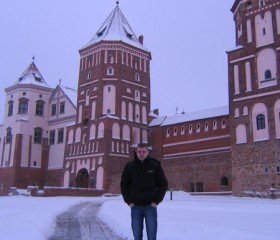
{"points": [[116, 28], [32, 75]]}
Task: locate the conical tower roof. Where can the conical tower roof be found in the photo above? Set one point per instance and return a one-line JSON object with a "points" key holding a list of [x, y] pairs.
{"points": [[116, 28], [32, 76]]}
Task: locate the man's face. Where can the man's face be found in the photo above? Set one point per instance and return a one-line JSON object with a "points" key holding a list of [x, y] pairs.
{"points": [[142, 153]]}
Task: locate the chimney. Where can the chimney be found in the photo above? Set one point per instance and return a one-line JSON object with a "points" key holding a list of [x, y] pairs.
{"points": [[141, 39]]}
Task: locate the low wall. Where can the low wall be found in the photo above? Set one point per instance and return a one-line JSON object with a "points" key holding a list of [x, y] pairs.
{"points": [[60, 191]]}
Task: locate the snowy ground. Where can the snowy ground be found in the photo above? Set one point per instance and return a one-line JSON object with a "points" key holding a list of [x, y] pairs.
{"points": [[184, 218]]}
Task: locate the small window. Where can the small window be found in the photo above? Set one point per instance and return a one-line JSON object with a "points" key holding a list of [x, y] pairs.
{"points": [[9, 135], [175, 131], [89, 76], [224, 182], [278, 169], [110, 71], [264, 31], [260, 121], [52, 137], [182, 130], [53, 110], [62, 107], [267, 74], [137, 77], [266, 170], [23, 106], [215, 125], [39, 108], [38, 135], [223, 123], [206, 127], [60, 135], [190, 128], [167, 132], [198, 127], [10, 108]]}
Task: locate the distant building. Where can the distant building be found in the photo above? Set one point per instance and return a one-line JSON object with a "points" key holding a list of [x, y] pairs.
{"points": [[33, 131], [49, 138]]}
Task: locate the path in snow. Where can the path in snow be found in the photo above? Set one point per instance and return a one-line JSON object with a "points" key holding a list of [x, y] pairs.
{"points": [[80, 222]]}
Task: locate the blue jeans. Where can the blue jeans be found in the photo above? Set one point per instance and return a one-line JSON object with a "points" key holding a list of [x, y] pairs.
{"points": [[138, 214]]}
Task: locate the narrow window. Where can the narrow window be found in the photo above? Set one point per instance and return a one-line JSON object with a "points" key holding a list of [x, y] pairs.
{"points": [[206, 127], [224, 182], [264, 31], [23, 106], [137, 77], [9, 135], [53, 110], [39, 108], [10, 108], [38, 135], [110, 71], [52, 137], [214, 125], [267, 74], [62, 107], [60, 135], [278, 169], [260, 121]]}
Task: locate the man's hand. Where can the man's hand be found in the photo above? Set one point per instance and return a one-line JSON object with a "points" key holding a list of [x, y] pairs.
{"points": [[153, 204], [131, 205]]}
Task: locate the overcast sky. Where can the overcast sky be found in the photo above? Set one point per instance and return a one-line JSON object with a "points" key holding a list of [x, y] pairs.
{"points": [[188, 41]]}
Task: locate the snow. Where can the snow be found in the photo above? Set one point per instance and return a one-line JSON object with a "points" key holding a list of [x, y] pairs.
{"points": [[116, 27], [192, 116], [182, 218]]}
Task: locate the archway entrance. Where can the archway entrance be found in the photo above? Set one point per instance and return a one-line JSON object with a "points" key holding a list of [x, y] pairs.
{"points": [[82, 179]]}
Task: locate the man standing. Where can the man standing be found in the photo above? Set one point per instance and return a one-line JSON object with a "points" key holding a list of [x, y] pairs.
{"points": [[143, 186]]}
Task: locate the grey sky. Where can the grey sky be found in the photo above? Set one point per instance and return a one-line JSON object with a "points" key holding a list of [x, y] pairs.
{"points": [[188, 41]]}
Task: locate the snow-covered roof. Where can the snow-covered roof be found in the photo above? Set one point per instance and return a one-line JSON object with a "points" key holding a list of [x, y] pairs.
{"points": [[187, 117], [116, 28], [71, 94], [32, 76]]}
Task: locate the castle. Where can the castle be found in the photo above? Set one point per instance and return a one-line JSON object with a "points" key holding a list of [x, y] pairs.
{"points": [[67, 138]]}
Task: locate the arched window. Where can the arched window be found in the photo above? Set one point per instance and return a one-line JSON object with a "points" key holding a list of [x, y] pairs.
{"points": [[38, 132], [260, 120], [175, 131], [10, 108], [23, 106], [206, 127], [110, 71], [9, 135], [137, 77], [39, 111], [224, 181], [215, 125], [89, 75], [167, 132], [267, 74]]}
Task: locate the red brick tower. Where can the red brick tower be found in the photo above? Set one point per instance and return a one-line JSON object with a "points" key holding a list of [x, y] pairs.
{"points": [[254, 96], [112, 107]]}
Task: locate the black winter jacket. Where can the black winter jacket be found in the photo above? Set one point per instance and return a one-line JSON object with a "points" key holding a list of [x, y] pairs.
{"points": [[143, 182]]}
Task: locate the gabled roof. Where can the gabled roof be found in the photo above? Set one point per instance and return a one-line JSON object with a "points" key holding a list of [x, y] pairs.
{"points": [[188, 117], [32, 76], [70, 93], [116, 28]]}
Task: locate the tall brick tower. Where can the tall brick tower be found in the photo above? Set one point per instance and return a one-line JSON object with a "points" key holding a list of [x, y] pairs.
{"points": [[254, 93], [112, 107]]}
